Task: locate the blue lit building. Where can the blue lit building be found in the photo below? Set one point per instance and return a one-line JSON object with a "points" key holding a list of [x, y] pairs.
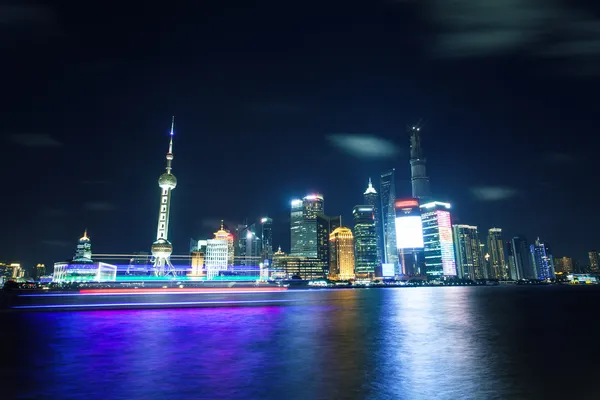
{"points": [[438, 242], [542, 260]]}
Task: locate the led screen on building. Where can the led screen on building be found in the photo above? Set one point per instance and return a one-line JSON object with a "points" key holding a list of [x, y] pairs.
{"points": [[409, 232], [409, 228], [387, 270], [446, 243]]}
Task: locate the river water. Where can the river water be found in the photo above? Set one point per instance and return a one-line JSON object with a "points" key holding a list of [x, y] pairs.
{"points": [[396, 343]]}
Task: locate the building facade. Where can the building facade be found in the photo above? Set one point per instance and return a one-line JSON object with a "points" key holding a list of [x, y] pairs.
{"points": [[418, 167], [388, 213], [224, 234], [372, 199], [217, 257], [522, 256], [438, 242], [541, 258], [341, 257], [468, 252], [409, 237], [304, 225], [365, 241], [266, 238], [593, 255], [495, 249], [563, 265]]}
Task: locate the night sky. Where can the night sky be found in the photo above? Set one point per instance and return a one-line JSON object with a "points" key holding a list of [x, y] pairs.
{"points": [[279, 99]]}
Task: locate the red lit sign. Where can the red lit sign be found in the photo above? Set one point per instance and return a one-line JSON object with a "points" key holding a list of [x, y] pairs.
{"points": [[407, 203]]}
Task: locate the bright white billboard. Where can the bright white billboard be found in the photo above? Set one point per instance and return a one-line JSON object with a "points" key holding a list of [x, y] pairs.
{"points": [[409, 232], [387, 270]]}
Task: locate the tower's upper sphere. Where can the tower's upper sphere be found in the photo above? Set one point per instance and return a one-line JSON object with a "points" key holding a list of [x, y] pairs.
{"points": [[167, 181], [162, 248]]}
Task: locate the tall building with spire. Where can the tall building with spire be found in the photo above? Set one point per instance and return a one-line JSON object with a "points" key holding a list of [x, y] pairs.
{"points": [[418, 166], [372, 199], [84, 249], [162, 248]]}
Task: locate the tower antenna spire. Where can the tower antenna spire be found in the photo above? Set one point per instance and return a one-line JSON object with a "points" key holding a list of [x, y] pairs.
{"points": [[172, 133]]}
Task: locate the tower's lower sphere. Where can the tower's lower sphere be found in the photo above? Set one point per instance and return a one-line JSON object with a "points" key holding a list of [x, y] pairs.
{"points": [[167, 181], [162, 248]]}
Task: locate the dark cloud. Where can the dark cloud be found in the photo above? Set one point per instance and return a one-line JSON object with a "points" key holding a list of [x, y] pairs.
{"points": [[364, 146], [493, 193], [34, 140], [99, 206], [25, 15], [542, 28]]}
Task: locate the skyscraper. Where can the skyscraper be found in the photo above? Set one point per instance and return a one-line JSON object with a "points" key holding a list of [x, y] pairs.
{"points": [[217, 257], [409, 237], [496, 252], [564, 265], [248, 246], [372, 199], [303, 227], [542, 260], [84, 249], [418, 166], [437, 237], [510, 261], [40, 270], [296, 220], [388, 213], [523, 262], [593, 261], [341, 245], [468, 252], [267, 238], [162, 248], [223, 234], [365, 241]]}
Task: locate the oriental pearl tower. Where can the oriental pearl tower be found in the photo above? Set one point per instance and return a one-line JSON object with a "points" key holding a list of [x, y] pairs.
{"points": [[162, 248]]}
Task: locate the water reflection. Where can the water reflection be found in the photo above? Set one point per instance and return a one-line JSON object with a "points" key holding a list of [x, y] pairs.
{"points": [[406, 343]]}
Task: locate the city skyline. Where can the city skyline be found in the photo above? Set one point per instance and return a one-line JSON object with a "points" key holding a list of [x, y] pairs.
{"points": [[320, 106]]}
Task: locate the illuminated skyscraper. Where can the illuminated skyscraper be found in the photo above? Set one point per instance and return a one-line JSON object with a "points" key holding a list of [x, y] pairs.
{"points": [[267, 238], [437, 237], [523, 261], [372, 199], [418, 166], [510, 261], [564, 265], [217, 257], [496, 252], [84, 249], [248, 248], [542, 260], [593, 261], [365, 241], [409, 237], [304, 226], [388, 213], [162, 248], [341, 258], [468, 252], [223, 234], [40, 270]]}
